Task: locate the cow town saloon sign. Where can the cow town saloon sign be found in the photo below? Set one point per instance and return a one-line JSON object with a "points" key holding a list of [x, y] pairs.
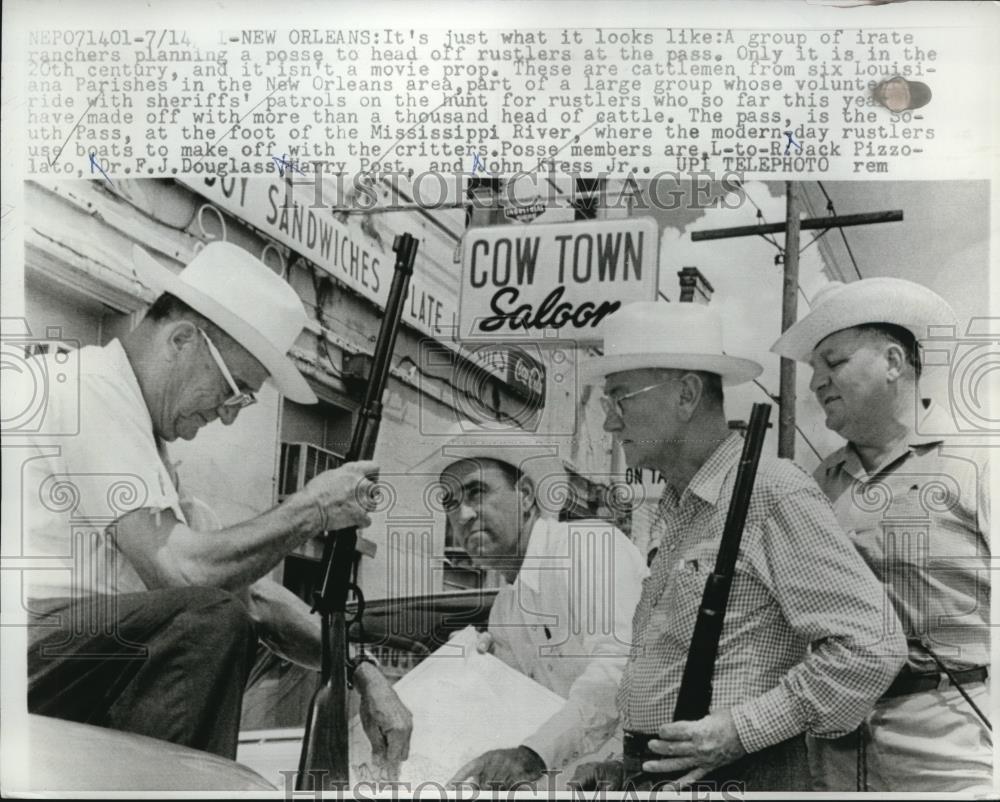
{"points": [[561, 280]]}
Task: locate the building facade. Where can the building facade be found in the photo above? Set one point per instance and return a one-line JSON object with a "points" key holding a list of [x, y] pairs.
{"points": [[80, 290]]}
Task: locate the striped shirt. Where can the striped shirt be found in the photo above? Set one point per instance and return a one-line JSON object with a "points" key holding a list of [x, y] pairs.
{"points": [[809, 641], [921, 522]]}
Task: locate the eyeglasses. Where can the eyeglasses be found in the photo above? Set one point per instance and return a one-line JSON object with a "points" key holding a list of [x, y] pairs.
{"points": [[239, 398], [614, 405]]}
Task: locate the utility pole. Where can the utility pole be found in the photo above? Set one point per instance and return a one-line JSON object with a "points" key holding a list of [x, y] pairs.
{"points": [[792, 228], [789, 308]]}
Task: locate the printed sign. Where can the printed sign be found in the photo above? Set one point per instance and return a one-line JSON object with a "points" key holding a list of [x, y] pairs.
{"points": [[524, 212], [526, 282], [347, 254], [522, 372]]}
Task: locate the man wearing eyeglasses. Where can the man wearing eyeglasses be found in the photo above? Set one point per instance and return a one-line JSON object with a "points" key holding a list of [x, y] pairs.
{"points": [[141, 620], [803, 647]]}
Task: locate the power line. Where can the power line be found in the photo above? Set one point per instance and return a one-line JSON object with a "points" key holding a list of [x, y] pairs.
{"points": [[798, 428], [760, 215], [832, 210]]}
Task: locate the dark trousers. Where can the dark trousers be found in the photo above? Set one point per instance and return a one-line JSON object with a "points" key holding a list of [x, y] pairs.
{"points": [[170, 664]]}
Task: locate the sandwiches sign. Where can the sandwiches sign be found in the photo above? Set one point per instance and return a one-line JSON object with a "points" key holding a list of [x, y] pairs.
{"points": [[538, 281]]}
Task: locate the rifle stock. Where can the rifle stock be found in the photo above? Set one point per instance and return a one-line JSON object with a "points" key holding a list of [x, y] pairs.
{"points": [[324, 760]]}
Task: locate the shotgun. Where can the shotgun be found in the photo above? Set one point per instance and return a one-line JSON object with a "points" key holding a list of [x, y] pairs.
{"points": [[323, 762], [695, 695]]}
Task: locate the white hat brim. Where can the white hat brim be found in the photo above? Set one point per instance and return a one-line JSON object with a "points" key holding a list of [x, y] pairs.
{"points": [[281, 369], [871, 301], [733, 370]]}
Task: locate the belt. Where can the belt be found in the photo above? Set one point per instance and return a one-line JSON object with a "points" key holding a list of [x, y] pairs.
{"points": [[907, 683]]}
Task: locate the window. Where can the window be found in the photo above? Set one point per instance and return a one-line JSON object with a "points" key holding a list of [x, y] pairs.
{"points": [[314, 438]]}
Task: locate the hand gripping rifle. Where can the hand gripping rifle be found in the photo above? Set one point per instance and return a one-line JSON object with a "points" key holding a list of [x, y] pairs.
{"points": [[695, 695], [323, 763]]}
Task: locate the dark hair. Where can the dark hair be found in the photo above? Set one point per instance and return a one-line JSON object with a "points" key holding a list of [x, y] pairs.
{"points": [[511, 473], [711, 387], [170, 307], [899, 335]]}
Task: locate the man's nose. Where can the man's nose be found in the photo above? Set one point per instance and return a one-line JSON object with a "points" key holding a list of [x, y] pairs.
{"points": [[466, 512], [818, 379], [612, 423]]}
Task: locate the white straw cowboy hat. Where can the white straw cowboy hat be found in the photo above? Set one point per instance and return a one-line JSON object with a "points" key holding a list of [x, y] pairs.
{"points": [[529, 453], [840, 306], [681, 336], [244, 298]]}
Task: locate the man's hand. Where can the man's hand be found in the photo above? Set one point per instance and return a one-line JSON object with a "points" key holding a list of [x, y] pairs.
{"points": [[342, 497], [700, 746], [500, 769], [387, 721], [608, 775], [484, 640]]}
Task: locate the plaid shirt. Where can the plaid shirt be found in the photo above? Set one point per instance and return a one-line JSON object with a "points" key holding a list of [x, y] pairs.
{"points": [[921, 521], [798, 582]]}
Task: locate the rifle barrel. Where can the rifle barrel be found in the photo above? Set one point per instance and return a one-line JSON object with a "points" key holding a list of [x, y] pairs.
{"points": [[694, 698], [324, 760]]}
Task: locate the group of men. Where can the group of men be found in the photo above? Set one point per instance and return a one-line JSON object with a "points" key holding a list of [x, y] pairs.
{"points": [[855, 650]]}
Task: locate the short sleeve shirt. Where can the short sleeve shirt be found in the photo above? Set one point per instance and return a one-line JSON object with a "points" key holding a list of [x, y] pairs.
{"points": [[94, 459], [921, 522]]}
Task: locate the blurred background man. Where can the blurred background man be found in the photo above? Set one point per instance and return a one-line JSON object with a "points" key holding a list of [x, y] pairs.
{"points": [[564, 616]]}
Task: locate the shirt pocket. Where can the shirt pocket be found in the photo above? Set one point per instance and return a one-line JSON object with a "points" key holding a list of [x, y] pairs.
{"points": [[679, 605], [749, 598]]}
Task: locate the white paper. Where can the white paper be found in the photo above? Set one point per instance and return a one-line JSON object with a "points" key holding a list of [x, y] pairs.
{"points": [[463, 704]]}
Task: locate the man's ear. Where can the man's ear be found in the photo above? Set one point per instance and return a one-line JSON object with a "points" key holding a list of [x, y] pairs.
{"points": [[526, 492], [895, 358], [691, 389], [182, 337]]}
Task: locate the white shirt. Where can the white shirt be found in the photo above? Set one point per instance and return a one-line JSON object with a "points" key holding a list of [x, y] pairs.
{"points": [[95, 459], [566, 622]]}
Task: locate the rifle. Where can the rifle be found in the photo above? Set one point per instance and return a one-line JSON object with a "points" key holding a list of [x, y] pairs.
{"points": [[324, 759], [695, 695]]}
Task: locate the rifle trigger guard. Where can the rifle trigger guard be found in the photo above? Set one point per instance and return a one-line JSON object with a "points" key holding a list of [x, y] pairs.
{"points": [[360, 610]]}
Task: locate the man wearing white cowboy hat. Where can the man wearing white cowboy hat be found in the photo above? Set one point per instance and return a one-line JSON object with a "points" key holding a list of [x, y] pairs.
{"points": [[564, 617], [802, 649], [918, 512], [141, 621]]}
